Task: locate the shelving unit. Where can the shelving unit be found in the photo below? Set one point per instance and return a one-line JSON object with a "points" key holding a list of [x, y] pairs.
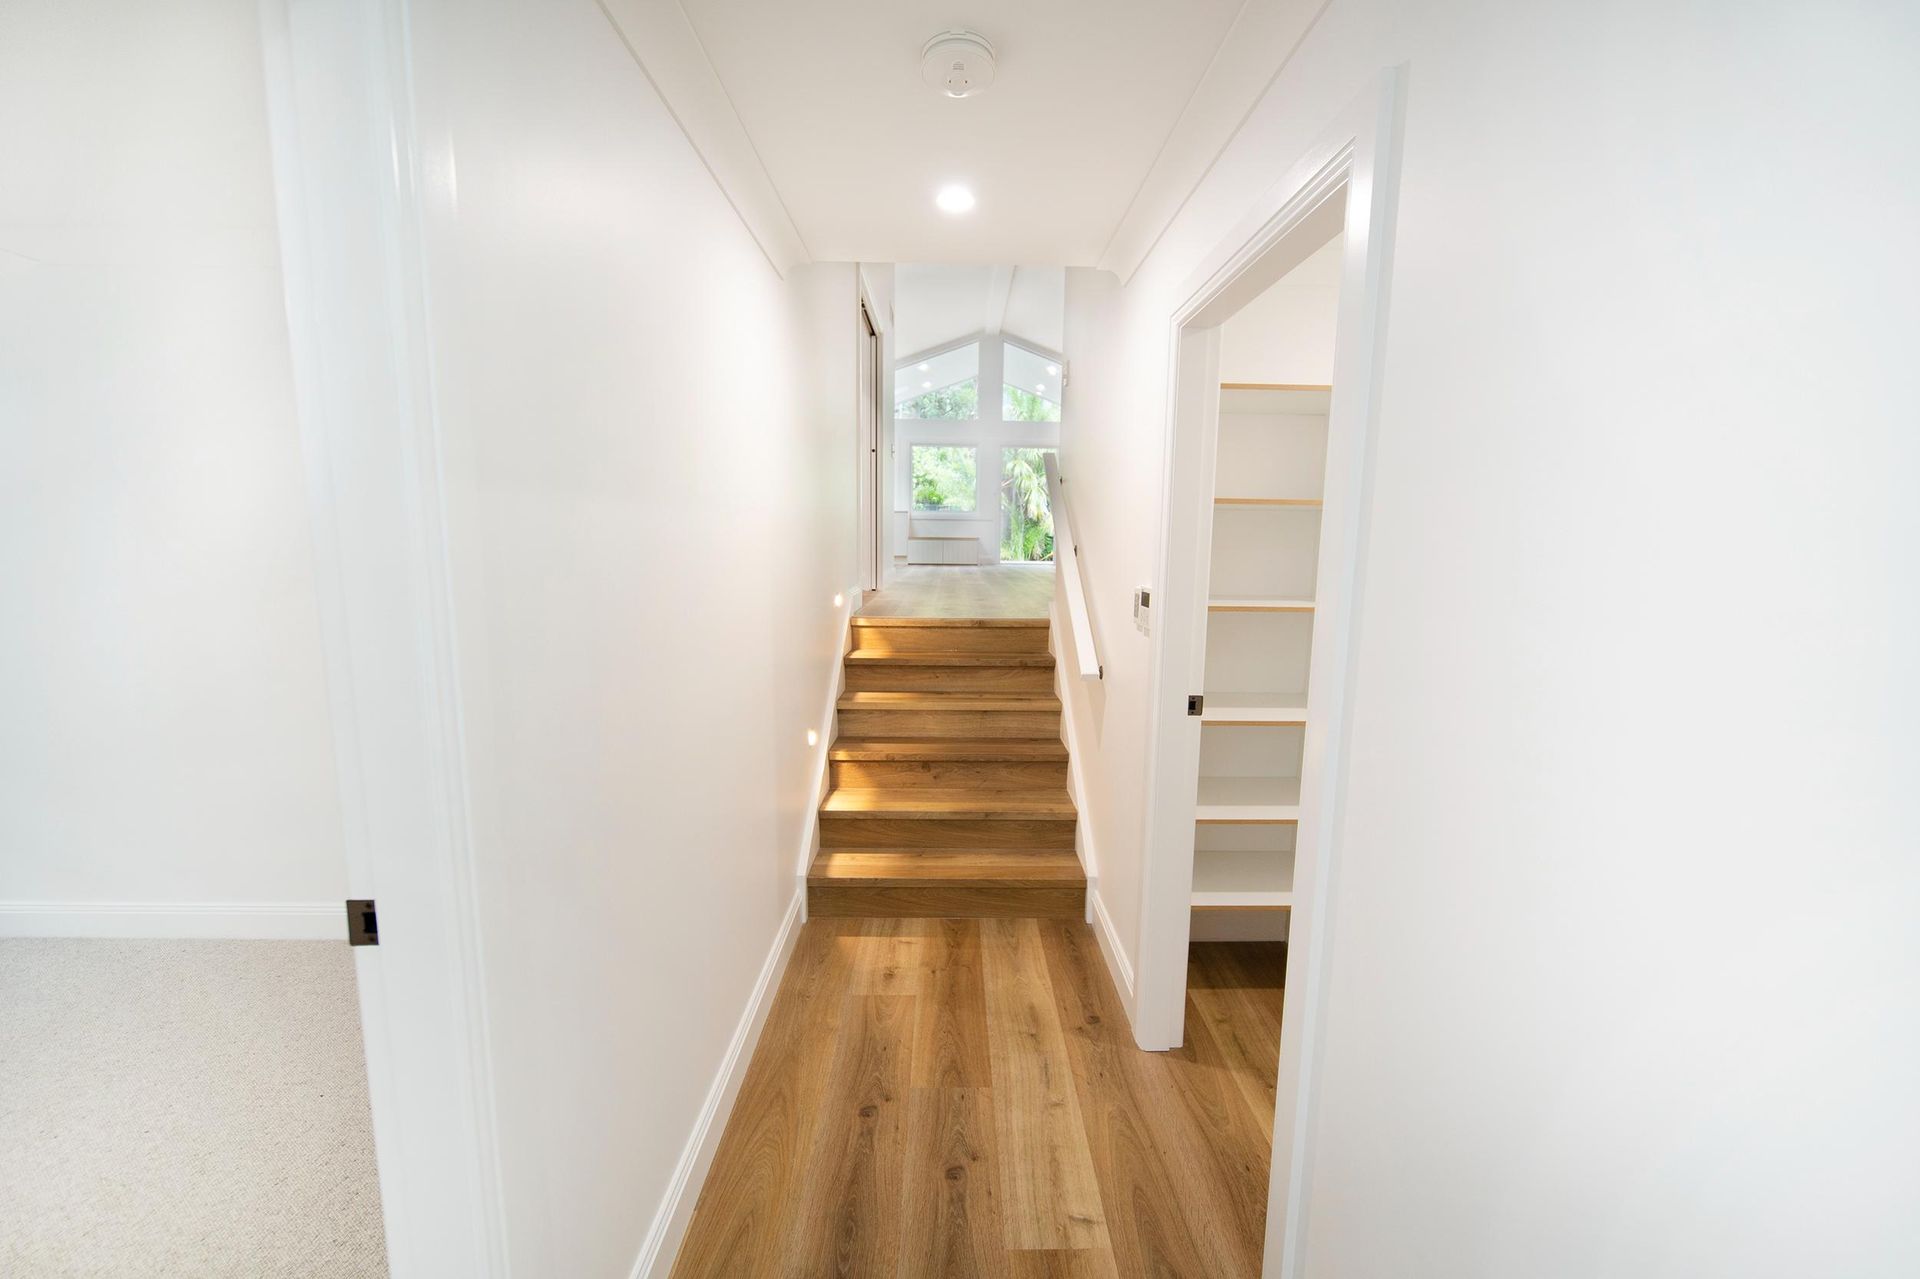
{"points": [[1262, 570], [1289, 503]]}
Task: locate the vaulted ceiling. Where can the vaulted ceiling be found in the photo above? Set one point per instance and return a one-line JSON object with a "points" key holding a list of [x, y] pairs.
{"points": [[1102, 116], [938, 304]]}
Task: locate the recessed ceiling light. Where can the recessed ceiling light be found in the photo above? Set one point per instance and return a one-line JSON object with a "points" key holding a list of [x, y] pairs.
{"points": [[925, 367], [954, 199], [926, 386], [1053, 370], [1039, 386]]}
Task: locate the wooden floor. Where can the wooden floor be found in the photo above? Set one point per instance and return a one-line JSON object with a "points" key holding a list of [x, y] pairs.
{"points": [[956, 590], [941, 1097]]}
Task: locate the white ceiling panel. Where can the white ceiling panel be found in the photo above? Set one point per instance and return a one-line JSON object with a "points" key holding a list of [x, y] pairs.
{"points": [[1085, 95], [935, 304]]}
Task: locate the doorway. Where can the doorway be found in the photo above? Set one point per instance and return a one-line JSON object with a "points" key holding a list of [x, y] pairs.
{"points": [[871, 393], [1289, 777], [978, 397]]}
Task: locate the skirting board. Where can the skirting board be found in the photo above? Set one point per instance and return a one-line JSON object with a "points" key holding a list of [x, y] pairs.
{"points": [[1110, 949], [670, 1221], [243, 921]]}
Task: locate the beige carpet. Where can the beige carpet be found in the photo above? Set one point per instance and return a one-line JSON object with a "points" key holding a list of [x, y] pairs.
{"points": [[184, 1108]]}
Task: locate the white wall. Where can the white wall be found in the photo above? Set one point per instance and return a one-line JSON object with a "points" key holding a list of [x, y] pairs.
{"points": [[651, 447], [1285, 336], [1621, 946], [163, 723]]}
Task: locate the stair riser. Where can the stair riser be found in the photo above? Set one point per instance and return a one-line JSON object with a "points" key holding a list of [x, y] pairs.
{"points": [[949, 639], [893, 724], [838, 831], [949, 679], [888, 902], [1028, 777]]}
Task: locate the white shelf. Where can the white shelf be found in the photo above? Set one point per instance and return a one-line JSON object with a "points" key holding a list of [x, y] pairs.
{"points": [[1257, 604], [1260, 879], [1249, 397], [1271, 503], [1254, 709], [1245, 801]]}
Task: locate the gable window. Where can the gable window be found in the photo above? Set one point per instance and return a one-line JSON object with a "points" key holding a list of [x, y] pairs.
{"points": [[945, 478], [1030, 391], [943, 387]]}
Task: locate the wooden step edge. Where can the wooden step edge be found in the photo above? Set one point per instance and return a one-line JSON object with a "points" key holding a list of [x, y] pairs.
{"points": [[973, 813], [862, 620], [862, 657], [921, 700], [913, 802], [854, 868], [977, 750]]}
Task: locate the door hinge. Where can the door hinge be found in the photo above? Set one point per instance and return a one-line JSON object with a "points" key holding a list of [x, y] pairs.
{"points": [[1196, 703], [363, 923]]}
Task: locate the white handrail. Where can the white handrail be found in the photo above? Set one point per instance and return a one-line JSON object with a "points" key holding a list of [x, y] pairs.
{"points": [[1066, 559]]}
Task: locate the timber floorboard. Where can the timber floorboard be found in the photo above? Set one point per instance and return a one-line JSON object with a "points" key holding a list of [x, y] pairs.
{"points": [[962, 1097]]}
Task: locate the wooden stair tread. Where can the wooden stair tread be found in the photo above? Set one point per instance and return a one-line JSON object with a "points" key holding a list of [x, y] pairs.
{"points": [[948, 748], [949, 868], [921, 701], [936, 804], [864, 658], [949, 797], [862, 621]]}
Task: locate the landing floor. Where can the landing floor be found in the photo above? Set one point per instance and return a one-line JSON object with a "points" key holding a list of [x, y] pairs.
{"points": [[963, 1097], [955, 590]]}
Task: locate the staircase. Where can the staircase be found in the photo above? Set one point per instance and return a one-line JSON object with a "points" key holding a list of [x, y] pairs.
{"points": [[949, 778]]}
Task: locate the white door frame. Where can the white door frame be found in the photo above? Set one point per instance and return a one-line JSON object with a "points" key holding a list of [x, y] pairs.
{"points": [[869, 380], [347, 170], [1347, 181]]}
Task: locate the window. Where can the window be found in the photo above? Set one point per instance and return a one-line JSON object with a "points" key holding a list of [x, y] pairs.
{"points": [[944, 478], [943, 387], [1026, 517], [1031, 390]]}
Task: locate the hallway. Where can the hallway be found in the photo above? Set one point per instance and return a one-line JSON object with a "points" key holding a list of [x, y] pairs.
{"points": [[739, 637], [963, 1097]]}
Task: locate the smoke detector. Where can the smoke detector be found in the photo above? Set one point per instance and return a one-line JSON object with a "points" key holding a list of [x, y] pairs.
{"points": [[957, 63]]}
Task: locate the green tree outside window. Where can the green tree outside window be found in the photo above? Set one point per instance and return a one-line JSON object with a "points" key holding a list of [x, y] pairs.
{"points": [[944, 478], [1017, 405], [959, 402], [1026, 517]]}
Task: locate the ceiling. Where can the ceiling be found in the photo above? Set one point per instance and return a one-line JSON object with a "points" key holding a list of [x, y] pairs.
{"points": [[829, 99], [937, 304]]}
